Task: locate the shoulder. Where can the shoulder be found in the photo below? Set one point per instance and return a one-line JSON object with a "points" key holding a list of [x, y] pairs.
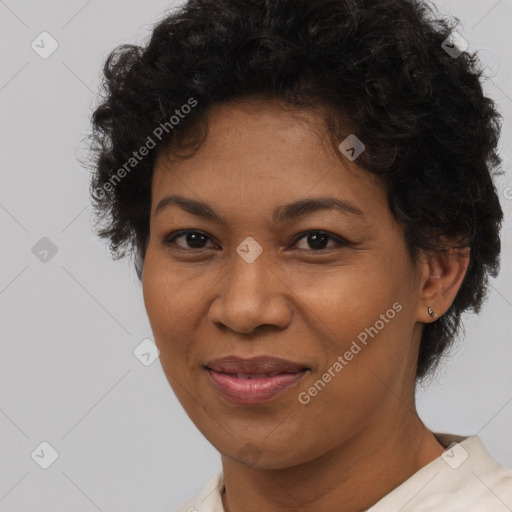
{"points": [[209, 498], [465, 478], [470, 480]]}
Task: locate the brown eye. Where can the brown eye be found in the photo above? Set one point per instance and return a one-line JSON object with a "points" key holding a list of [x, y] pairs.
{"points": [[194, 240], [317, 240]]}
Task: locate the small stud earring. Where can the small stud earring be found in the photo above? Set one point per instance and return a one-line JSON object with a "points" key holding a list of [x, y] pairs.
{"points": [[431, 312]]}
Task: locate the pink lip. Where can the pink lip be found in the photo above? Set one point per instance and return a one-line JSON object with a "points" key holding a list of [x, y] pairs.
{"points": [[243, 390], [259, 364]]}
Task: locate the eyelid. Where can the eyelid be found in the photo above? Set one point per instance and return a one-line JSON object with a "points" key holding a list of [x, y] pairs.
{"points": [[169, 239], [338, 239]]}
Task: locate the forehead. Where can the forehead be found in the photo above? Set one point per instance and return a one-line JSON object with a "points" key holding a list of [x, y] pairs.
{"points": [[240, 128], [260, 151]]}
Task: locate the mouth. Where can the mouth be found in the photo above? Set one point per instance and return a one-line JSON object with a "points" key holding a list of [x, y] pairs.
{"points": [[256, 380]]}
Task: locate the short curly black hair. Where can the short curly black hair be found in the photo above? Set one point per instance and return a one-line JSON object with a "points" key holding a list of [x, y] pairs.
{"points": [[382, 67]]}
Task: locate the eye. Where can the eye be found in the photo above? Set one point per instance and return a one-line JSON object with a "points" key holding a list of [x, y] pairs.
{"points": [[318, 239], [194, 238]]}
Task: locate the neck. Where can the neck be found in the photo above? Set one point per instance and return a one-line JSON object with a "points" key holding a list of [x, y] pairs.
{"points": [[357, 473]]}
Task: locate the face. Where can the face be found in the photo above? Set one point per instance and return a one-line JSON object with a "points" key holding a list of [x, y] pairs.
{"points": [[331, 290]]}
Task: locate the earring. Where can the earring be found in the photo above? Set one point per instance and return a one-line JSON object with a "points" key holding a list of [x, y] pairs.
{"points": [[431, 312]]}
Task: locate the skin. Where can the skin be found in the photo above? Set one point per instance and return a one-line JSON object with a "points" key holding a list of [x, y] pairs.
{"points": [[360, 437]]}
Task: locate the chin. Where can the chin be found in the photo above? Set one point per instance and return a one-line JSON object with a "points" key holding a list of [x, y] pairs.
{"points": [[264, 455]]}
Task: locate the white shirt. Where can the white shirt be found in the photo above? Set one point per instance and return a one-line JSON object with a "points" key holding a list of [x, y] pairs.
{"points": [[465, 478]]}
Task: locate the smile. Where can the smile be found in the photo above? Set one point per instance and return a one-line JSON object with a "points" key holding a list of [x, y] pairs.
{"points": [[240, 388]]}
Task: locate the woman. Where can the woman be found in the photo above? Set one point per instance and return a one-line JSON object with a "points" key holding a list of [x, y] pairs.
{"points": [[307, 188]]}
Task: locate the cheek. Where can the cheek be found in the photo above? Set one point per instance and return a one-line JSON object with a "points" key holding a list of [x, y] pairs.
{"points": [[361, 313], [168, 294], [167, 301], [350, 298]]}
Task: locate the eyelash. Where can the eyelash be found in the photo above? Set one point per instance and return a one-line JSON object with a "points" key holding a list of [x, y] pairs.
{"points": [[170, 239]]}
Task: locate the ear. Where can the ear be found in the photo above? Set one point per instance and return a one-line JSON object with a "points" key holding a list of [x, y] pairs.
{"points": [[442, 275]]}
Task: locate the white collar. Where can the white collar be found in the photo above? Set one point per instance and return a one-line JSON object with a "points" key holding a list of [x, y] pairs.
{"points": [[465, 478]]}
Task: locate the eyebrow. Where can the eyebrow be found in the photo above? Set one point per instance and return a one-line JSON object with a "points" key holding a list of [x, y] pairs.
{"points": [[280, 213]]}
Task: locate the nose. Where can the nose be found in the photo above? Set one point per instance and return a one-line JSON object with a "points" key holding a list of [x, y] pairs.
{"points": [[251, 295]]}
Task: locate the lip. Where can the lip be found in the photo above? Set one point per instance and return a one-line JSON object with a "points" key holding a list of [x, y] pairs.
{"points": [[255, 380], [254, 365]]}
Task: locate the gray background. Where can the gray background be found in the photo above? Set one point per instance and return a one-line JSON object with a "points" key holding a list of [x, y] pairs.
{"points": [[68, 375]]}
